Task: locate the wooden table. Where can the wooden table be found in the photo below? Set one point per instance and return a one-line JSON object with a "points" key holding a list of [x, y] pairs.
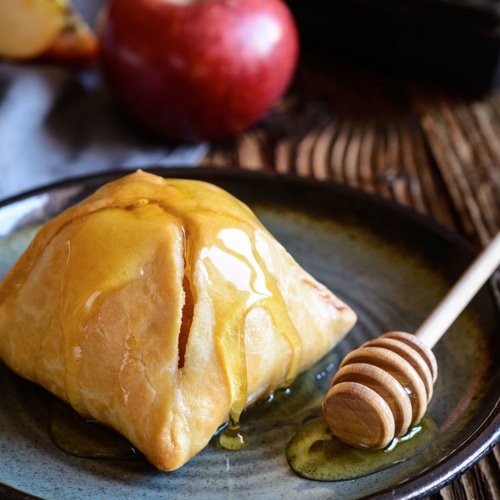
{"points": [[433, 149]]}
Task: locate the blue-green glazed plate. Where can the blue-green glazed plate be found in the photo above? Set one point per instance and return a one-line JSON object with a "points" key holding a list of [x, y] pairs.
{"points": [[389, 263]]}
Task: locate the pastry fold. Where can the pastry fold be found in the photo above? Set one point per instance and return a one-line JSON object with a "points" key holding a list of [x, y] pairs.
{"points": [[159, 307]]}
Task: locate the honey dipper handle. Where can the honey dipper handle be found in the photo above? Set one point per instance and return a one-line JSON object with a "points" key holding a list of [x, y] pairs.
{"points": [[454, 302]]}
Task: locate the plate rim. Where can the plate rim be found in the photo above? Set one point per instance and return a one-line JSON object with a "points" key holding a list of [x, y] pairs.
{"points": [[428, 481]]}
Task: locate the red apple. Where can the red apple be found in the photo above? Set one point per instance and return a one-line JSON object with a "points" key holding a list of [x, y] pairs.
{"points": [[197, 69]]}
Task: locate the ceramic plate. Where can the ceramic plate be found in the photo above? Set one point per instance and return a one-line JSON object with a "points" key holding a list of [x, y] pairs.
{"points": [[391, 265]]}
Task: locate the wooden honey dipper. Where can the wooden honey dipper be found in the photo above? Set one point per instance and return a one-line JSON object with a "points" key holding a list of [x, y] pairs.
{"points": [[382, 389]]}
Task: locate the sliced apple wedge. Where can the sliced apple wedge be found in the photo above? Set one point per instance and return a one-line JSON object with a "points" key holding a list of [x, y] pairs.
{"points": [[29, 27]]}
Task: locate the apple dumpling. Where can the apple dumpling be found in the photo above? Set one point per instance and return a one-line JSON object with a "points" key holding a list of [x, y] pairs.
{"points": [[160, 307]]}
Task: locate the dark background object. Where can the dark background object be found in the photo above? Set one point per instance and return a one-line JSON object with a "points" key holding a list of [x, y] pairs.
{"points": [[455, 43]]}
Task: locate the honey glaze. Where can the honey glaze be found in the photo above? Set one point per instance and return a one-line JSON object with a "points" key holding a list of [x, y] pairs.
{"points": [[223, 250], [315, 453], [243, 282], [232, 437], [86, 438], [219, 254]]}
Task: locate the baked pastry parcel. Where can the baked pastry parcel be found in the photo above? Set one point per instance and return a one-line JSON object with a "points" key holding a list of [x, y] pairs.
{"points": [[159, 307]]}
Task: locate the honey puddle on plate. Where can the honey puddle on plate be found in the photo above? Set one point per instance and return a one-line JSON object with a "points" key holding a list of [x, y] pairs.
{"points": [[90, 439], [315, 453], [86, 438]]}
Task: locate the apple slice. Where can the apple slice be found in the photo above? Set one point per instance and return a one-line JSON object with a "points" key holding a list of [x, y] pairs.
{"points": [[49, 30], [29, 27]]}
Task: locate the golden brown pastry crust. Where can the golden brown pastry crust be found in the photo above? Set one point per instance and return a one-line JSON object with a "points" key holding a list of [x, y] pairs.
{"points": [[94, 309]]}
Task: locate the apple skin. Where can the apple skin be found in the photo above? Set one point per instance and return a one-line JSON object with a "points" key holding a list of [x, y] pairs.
{"points": [[200, 69]]}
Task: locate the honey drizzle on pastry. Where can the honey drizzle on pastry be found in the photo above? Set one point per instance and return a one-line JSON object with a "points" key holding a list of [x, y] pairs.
{"points": [[209, 248], [231, 262]]}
